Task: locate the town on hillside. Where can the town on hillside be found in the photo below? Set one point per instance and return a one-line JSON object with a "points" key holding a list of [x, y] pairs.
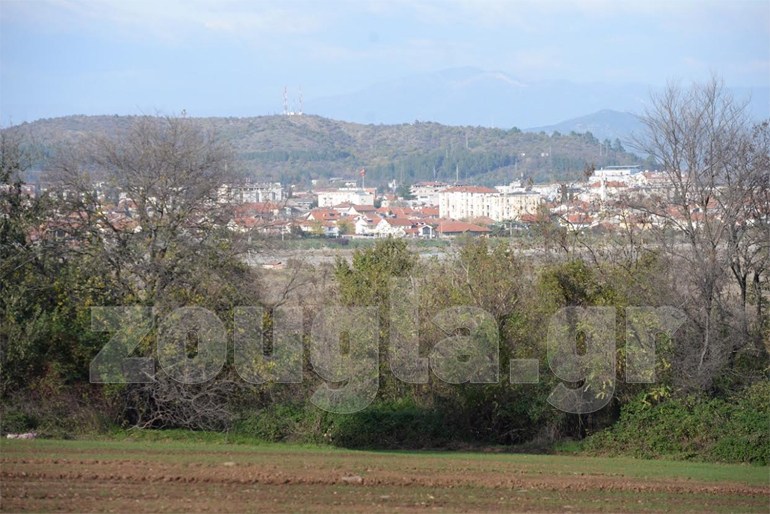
{"points": [[609, 199]]}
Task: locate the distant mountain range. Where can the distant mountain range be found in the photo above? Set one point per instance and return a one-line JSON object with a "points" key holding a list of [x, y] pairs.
{"points": [[471, 96], [604, 124]]}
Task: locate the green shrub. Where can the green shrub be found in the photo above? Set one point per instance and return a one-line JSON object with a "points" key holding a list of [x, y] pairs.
{"points": [[13, 420], [735, 429], [389, 425], [381, 426], [746, 435], [275, 423]]}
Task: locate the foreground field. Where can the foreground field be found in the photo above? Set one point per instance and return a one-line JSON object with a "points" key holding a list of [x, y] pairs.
{"points": [[86, 476]]}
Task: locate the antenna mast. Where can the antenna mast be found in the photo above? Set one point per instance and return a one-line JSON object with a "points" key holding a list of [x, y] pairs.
{"points": [[285, 101], [300, 101]]}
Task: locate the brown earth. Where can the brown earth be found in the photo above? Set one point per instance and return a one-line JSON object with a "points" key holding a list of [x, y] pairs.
{"points": [[153, 480]]}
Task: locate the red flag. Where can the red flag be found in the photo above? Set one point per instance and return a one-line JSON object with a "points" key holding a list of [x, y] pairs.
{"points": [[362, 172]]}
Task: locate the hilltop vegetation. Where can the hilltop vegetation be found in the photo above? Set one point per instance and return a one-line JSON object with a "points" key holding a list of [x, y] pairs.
{"points": [[295, 149]]}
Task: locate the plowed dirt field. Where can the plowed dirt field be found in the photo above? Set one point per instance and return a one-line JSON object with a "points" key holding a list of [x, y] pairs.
{"points": [[101, 476]]}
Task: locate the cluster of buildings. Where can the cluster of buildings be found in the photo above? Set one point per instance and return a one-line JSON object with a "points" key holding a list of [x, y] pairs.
{"points": [[432, 209], [436, 209], [370, 221], [346, 211]]}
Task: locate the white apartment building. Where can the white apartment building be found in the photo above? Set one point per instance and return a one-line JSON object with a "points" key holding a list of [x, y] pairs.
{"points": [[352, 195], [426, 193], [619, 173], [251, 192], [467, 202]]}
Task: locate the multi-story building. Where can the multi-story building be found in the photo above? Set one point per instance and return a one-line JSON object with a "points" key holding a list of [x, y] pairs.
{"points": [[618, 173], [251, 192], [426, 193], [351, 195], [467, 202]]}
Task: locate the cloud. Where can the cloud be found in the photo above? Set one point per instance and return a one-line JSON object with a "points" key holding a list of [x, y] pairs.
{"points": [[167, 20], [534, 39]]}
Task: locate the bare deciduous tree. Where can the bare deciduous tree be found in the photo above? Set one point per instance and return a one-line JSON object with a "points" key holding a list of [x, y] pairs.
{"points": [[708, 224], [148, 200], [147, 203], [749, 236]]}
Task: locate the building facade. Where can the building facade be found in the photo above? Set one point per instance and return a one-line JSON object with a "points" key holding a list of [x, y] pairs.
{"points": [[468, 202], [252, 192], [351, 195]]}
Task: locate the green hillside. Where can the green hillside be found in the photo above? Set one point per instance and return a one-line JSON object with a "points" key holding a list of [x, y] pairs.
{"points": [[295, 149]]}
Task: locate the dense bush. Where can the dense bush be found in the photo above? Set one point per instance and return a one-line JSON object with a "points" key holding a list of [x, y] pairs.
{"points": [[735, 429], [381, 426], [63, 412], [281, 422], [489, 417], [15, 420], [391, 425]]}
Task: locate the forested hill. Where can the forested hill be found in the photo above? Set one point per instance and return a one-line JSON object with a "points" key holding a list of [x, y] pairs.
{"points": [[294, 149]]}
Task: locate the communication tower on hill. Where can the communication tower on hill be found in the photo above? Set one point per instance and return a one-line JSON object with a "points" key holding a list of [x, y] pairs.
{"points": [[297, 106], [300, 112]]}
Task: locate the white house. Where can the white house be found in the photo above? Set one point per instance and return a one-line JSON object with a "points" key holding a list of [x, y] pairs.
{"points": [[365, 226], [395, 227]]}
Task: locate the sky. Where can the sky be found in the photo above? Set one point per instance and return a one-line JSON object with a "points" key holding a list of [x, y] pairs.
{"points": [[234, 57]]}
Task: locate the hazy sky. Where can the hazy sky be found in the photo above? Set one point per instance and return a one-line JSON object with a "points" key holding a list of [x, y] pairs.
{"points": [[233, 57]]}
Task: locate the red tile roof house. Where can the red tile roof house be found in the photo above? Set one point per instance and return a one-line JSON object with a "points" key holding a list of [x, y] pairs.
{"points": [[361, 210], [430, 212], [323, 215], [258, 210], [578, 220], [482, 221], [402, 212], [450, 228], [396, 227], [343, 207], [422, 230], [243, 223], [366, 225], [325, 228], [395, 212]]}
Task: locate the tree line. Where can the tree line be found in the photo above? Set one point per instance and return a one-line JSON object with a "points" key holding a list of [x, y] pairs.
{"points": [[280, 148]]}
